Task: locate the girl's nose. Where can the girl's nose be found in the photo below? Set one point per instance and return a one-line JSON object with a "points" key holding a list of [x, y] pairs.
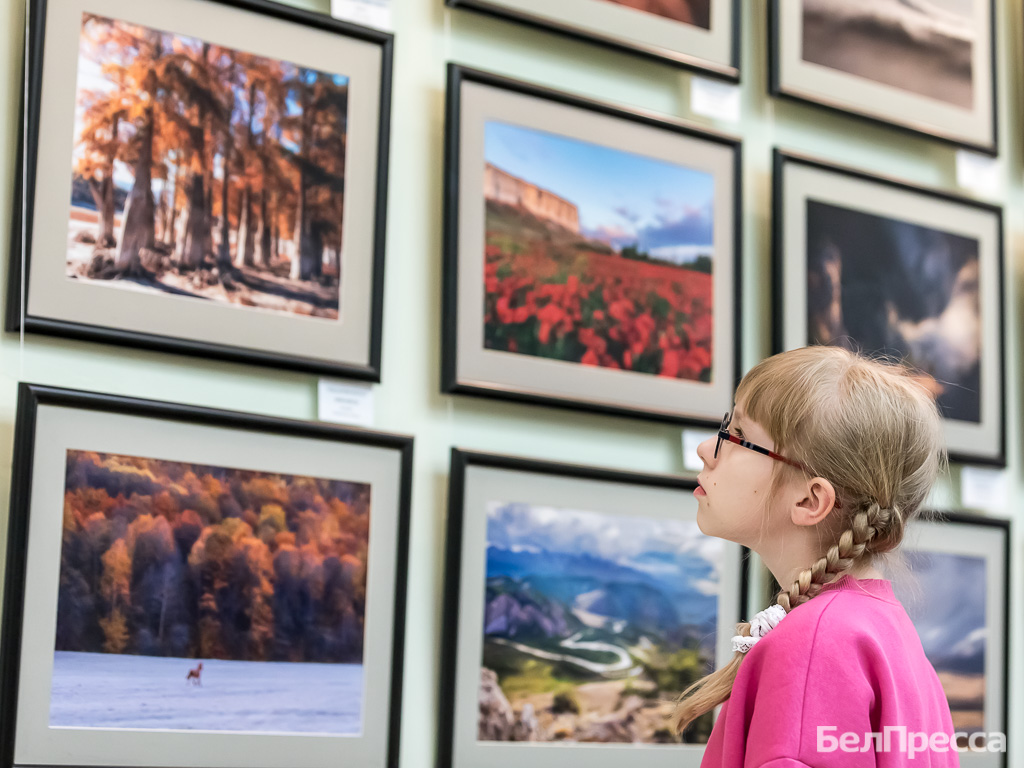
{"points": [[706, 450]]}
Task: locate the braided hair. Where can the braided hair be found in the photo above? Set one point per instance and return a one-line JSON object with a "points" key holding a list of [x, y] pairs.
{"points": [[853, 545], [873, 430]]}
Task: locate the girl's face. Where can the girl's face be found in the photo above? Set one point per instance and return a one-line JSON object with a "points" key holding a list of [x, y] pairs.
{"points": [[732, 500]]}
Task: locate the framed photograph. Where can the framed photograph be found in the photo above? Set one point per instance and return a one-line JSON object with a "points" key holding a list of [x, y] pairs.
{"points": [[928, 67], [192, 588], [210, 177], [592, 255], [579, 603], [965, 639], [697, 34], [906, 272]]}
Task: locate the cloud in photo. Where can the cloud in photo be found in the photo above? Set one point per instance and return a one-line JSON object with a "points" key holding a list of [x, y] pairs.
{"points": [[644, 543]]}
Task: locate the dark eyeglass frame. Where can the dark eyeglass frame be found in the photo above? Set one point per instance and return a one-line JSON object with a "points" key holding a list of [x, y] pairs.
{"points": [[724, 434]]}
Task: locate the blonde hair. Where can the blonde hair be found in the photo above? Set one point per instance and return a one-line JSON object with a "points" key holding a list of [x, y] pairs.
{"points": [[865, 425]]}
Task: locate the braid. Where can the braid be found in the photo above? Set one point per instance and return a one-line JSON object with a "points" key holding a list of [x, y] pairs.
{"points": [[854, 542]]}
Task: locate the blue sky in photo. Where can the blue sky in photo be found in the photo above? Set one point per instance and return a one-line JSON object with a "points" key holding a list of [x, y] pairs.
{"points": [[623, 198]]}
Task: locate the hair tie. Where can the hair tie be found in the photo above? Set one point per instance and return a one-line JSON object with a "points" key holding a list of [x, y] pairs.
{"points": [[763, 623]]}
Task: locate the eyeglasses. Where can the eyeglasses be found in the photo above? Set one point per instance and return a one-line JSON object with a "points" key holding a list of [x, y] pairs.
{"points": [[724, 434]]}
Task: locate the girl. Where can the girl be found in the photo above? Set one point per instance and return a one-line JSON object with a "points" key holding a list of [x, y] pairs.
{"points": [[824, 460]]}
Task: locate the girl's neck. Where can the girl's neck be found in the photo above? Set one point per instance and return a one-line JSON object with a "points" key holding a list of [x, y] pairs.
{"points": [[866, 571], [862, 571]]}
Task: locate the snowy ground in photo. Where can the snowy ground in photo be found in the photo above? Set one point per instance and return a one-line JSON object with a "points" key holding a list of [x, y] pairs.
{"points": [[100, 690]]}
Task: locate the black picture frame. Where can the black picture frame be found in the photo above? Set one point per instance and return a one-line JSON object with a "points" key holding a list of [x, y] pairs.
{"points": [[721, 60], [281, 336], [470, 367], [976, 422], [965, 537], [555, 488], [841, 91], [50, 434]]}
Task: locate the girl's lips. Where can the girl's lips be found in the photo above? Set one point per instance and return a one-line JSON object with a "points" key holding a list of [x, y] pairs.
{"points": [[698, 491]]}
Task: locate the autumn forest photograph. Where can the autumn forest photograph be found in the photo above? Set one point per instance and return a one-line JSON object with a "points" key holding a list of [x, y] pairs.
{"points": [[211, 598], [206, 172]]}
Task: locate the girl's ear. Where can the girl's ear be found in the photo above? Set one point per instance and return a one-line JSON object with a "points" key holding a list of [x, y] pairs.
{"points": [[817, 500]]}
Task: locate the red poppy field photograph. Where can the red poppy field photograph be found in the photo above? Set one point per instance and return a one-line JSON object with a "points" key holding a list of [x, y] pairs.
{"points": [[596, 256], [696, 12]]}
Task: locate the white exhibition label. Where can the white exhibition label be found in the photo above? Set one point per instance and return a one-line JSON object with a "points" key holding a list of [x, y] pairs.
{"points": [[345, 402], [370, 13], [715, 99], [984, 488], [691, 439], [978, 173]]}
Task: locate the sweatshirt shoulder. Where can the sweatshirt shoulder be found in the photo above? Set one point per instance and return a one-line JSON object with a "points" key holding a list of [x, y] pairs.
{"points": [[805, 618], [830, 615]]}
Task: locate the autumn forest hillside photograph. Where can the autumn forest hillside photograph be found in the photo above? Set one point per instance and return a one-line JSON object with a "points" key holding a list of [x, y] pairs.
{"points": [[259, 577], [205, 172]]}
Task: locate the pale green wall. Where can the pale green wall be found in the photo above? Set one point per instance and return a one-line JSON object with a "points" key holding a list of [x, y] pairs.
{"points": [[408, 400]]}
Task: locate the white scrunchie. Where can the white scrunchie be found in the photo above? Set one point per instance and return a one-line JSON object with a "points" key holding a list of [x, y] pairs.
{"points": [[763, 623]]}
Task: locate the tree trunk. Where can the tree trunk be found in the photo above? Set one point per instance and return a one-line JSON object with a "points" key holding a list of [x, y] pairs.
{"points": [[172, 212], [172, 221], [261, 256], [316, 251], [224, 253], [107, 235], [245, 241], [181, 245], [275, 243], [161, 215], [103, 196], [195, 226], [137, 230], [207, 179], [300, 270], [103, 191]]}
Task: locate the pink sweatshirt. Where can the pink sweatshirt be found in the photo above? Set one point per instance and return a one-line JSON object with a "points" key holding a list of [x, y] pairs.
{"points": [[848, 658]]}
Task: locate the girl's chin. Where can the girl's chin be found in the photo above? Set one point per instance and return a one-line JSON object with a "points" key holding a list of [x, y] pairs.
{"points": [[701, 523], [705, 523]]}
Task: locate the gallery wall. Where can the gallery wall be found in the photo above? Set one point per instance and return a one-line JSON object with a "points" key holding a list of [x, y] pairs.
{"points": [[409, 401]]}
